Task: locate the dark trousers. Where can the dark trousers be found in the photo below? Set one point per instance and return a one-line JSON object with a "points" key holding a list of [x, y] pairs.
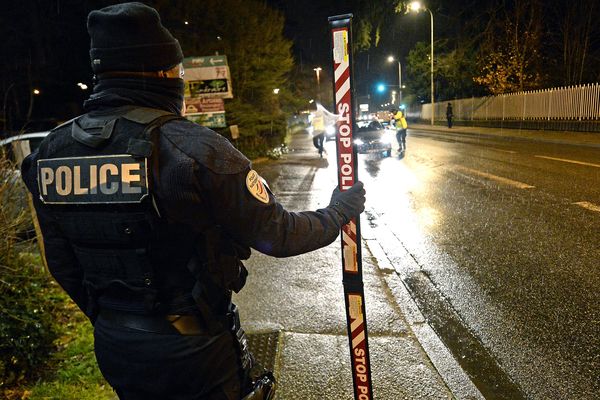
{"points": [[318, 142], [401, 138], [144, 365], [449, 122]]}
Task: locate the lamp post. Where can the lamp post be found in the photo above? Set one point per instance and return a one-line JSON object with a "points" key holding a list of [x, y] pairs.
{"points": [[416, 6], [392, 59], [318, 70]]}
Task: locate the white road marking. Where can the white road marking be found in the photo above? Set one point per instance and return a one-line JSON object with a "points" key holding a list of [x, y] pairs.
{"points": [[505, 151], [588, 205], [506, 181], [570, 161]]}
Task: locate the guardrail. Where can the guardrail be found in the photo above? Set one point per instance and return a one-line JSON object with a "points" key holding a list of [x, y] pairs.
{"points": [[24, 136]]}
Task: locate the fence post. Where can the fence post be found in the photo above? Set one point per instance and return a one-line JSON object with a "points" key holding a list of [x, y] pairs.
{"points": [[472, 107], [487, 103], [580, 98]]}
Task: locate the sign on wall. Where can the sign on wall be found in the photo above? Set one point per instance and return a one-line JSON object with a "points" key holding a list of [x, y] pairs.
{"points": [[207, 77], [207, 83]]}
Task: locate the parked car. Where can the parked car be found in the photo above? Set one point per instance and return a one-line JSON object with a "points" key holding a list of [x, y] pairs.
{"points": [[372, 137]]}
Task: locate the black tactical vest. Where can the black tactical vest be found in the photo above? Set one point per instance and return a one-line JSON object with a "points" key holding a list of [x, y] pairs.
{"points": [[95, 176]]}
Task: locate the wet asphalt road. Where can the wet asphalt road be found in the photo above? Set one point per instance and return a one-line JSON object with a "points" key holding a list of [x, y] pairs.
{"points": [[506, 233]]}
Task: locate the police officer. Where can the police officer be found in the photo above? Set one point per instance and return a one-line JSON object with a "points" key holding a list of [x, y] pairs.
{"points": [[399, 121], [146, 218], [318, 125]]}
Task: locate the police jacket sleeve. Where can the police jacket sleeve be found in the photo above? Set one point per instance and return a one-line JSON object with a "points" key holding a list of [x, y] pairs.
{"points": [[58, 252], [264, 224]]}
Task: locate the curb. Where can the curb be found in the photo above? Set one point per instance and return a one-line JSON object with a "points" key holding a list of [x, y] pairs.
{"points": [[454, 376]]}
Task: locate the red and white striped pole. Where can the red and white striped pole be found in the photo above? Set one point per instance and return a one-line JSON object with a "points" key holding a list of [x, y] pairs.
{"points": [[341, 40]]}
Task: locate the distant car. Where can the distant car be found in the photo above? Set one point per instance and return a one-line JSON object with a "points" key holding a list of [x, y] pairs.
{"points": [[372, 137]]}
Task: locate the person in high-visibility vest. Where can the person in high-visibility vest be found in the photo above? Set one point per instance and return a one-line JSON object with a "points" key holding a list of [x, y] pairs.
{"points": [[401, 126], [318, 125]]}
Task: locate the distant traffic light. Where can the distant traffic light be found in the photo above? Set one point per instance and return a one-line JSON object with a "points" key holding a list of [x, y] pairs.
{"points": [[381, 88]]}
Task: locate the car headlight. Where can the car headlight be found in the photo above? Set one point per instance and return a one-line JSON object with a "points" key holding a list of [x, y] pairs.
{"points": [[387, 139], [330, 130], [358, 142]]}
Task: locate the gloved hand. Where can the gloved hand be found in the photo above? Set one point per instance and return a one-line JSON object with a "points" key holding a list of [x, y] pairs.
{"points": [[349, 203]]}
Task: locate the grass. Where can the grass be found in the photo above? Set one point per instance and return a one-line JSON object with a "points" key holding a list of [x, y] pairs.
{"points": [[42, 317], [72, 373]]}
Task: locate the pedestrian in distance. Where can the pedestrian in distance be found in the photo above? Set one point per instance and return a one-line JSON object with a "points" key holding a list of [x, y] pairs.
{"points": [[318, 131], [449, 115], [321, 121], [146, 218]]}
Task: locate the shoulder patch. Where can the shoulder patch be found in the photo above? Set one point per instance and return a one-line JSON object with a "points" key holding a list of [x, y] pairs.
{"points": [[256, 187]]}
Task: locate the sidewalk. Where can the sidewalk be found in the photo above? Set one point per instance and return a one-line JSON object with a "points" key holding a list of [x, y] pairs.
{"points": [[590, 139], [293, 308]]}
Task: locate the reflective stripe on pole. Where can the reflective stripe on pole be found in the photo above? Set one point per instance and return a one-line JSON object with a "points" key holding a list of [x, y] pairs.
{"points": [[341, 40]]}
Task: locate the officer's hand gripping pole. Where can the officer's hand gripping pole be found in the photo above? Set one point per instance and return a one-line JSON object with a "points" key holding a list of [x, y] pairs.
{"points": [[341, 40]]}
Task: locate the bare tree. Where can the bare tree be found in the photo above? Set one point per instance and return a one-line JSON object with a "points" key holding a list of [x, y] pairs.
{"points": [[509, 58], [573, 34]]}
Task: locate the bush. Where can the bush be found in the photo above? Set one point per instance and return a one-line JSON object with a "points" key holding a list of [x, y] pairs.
{"points": [[260, 132], [27, 329]]}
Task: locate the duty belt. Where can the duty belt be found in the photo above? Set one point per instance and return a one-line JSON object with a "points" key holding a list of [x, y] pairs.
{"points": [[187, 325]]}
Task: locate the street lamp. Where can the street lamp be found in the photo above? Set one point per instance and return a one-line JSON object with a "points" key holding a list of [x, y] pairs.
{"points": [[317, 71], [392, 59], [416, 7]]}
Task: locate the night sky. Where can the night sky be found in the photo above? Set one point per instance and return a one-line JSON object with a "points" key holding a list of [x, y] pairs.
{"points": [[31, 28], [307, 26]]}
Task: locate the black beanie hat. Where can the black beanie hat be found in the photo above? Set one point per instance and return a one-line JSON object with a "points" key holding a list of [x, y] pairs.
{"points": [[130, 37]]}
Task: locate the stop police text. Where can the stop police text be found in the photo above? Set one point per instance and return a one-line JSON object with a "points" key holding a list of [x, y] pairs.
{"points": [[360, 365], [345, 129]]}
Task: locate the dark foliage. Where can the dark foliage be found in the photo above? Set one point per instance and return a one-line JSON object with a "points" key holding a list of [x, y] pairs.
{"points": [[27, 327]]}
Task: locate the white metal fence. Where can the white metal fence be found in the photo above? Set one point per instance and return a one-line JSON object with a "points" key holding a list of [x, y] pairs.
{"points": [[574, 103]]}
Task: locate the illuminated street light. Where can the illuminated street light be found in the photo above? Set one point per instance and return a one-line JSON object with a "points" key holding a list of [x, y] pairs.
{"points": [[276, 90], [317, 71], [416, 7], [36, 91], [82, 86], [392, 59]]}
